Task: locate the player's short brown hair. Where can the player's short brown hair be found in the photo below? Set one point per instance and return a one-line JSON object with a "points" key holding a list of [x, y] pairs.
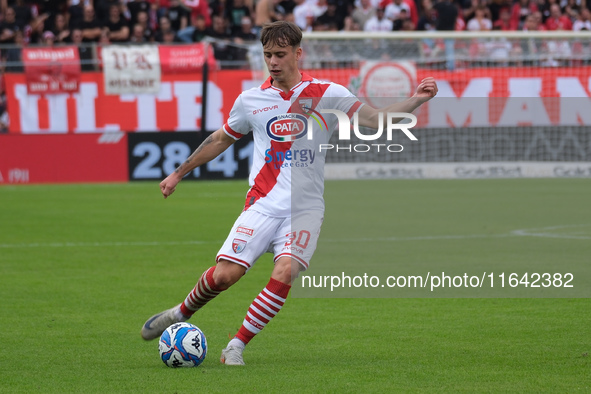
{"points": [[281, 33]]}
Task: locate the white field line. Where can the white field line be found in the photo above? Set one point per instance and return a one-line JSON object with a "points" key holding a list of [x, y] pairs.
{"points": [[544, 232], [419, 238], [547, 232], [103, 244]]}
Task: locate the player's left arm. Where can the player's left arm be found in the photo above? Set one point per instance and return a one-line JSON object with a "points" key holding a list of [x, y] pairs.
{"points": [[369, 116]]}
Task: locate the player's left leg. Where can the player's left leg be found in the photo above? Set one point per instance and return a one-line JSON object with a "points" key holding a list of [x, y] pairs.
{"points": [[264, 307], [269, 301], [294, 247]]}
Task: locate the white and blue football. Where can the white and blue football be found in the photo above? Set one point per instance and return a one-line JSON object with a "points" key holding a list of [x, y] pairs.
{"points": [[182, 345]]}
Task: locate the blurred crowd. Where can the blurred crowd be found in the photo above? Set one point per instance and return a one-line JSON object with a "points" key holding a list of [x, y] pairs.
{"points": [[88, 22], [50, 22]]}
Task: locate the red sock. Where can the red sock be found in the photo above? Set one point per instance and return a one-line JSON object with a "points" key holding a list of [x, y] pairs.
{"points": [[267, 304], [205, 290]]}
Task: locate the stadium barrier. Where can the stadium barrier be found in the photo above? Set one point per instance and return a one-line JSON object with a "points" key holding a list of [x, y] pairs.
{"points": [[509, 104]]}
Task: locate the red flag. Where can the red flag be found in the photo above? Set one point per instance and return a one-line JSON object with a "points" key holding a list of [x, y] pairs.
{"points": [[52, 70], [184, 58]]}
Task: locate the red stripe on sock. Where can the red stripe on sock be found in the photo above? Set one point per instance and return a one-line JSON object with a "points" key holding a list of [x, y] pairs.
{"points": [[255, 323], [258, 316], [279, 288], [272, 297], [273, 289], [210, 281], [244, 335], [200, 295], [261, 301]]}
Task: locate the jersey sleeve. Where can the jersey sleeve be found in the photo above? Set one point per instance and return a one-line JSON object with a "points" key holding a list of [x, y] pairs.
{"points": [[343, 100], [237, 124]]}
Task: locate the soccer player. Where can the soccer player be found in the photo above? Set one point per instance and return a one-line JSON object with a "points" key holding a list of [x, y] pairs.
{"points": [[284, 207]]}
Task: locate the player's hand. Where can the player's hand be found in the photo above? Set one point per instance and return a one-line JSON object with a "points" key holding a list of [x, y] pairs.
{"points": [[427, 89], [168, 185]]}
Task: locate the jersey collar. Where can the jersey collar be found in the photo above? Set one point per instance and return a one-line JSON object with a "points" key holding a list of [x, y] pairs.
{"points": [[269, 82]]}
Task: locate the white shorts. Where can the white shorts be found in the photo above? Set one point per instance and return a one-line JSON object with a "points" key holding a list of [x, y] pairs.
{"points": [[254, 233]]}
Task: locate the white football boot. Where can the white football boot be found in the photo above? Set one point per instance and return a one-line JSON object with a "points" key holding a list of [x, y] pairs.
{"points": [[232, 355]]}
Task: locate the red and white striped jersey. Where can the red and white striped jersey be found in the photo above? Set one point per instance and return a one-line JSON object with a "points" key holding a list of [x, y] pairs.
{"points": [[287, 173]]}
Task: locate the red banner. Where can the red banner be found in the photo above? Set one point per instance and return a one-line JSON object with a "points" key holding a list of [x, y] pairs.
{"points": [[177, 106], [63, 158], [52, 70], [185, 58]]}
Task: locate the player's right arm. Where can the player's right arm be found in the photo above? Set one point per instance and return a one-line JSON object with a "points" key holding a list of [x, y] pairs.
{"points": [[212, 147]]}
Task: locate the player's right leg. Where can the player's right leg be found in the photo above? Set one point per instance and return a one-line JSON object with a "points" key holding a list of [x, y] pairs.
{"points": [[213, 281], [248, 240]]}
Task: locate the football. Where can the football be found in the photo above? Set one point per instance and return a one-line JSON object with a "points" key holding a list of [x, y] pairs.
{"points": [[182, 345]]}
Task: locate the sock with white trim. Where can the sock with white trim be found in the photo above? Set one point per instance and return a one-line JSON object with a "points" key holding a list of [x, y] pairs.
{"points": [[205, 290], [264, 307]]}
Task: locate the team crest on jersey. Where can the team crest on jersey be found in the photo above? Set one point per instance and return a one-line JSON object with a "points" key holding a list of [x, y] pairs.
{"points": [[287, 127], [238, 245], [305, 104]]}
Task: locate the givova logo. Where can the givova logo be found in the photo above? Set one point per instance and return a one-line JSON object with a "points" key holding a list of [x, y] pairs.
{"points": [[287, 127]]}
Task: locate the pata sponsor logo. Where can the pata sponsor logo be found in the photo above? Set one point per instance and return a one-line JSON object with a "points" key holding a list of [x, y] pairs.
{"points": [[287, 127]]}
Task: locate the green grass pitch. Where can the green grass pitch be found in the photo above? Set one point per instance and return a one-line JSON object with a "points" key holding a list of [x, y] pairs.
{"points": [[83, 266]]}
